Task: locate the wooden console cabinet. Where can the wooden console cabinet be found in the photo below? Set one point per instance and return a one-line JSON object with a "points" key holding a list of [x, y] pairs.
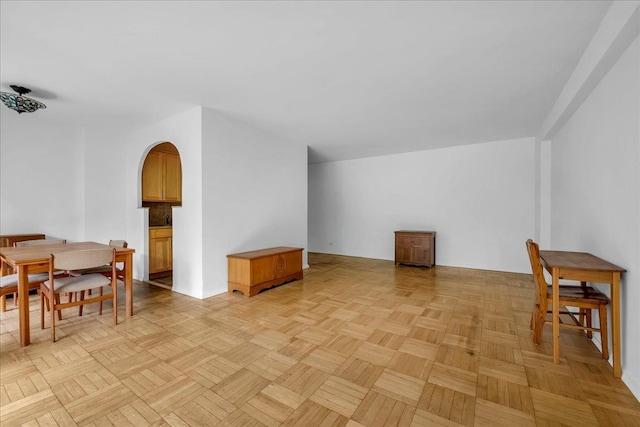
{"points": [[416, 248], [251, 272]]}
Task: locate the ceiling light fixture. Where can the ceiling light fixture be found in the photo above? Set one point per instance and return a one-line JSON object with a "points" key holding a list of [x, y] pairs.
{"points": [[18, 102]]}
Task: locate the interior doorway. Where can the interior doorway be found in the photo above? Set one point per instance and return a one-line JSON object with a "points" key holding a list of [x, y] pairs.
{"points": [[161, 192]]}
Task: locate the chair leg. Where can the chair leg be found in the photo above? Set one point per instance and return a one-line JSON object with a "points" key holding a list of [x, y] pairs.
{"points": [[589, 323], [101, 293], [81, 306], [539, 325], [604, 332], [534, 313], [42, 310], [82, 293], [15, 298], [115, 302], [56, 300], [3, 303], [53, 316]]}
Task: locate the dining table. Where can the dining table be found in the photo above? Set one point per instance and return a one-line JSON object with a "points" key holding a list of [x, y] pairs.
{"points": [[584, 267], [27, 260]]}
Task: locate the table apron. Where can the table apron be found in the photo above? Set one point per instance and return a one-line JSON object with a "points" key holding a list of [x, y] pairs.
{"points": [[39, 267], [585, 275]]}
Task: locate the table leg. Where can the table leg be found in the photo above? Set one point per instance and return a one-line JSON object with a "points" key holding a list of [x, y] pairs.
{"points": [[615, 324], [23, 305], [128, 284], [3, 298], [556, 315]]}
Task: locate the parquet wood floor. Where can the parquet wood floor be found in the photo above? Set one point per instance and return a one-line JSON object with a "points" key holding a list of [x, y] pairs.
{"points": [[358, 342]]}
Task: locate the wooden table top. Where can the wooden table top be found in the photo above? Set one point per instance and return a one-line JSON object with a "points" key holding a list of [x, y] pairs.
{"points": [[415, 231], [578, 261], [264, 252], [39, 253]]}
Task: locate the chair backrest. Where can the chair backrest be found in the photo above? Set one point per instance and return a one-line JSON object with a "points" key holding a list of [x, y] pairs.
{"points": [[40, 242], [536, 268], [87, 258], [118, 243]]}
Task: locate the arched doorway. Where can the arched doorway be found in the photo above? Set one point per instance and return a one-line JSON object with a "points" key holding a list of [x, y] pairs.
{"points": [[161, 192]]}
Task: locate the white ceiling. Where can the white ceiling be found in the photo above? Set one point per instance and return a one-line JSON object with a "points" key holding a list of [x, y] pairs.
{"points": [[348, 79]]}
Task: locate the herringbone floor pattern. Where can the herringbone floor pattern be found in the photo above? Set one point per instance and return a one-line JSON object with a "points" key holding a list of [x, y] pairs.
{"points": [[357, 342]]}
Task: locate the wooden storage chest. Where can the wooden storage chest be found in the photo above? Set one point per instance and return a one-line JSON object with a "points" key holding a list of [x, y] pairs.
{"points": [[251, 272]]}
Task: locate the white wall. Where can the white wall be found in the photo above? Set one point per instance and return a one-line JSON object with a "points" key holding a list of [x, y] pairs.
{"points": [[479, 199], [105, 179], [185, 132], [254, 188], [113, 200], [41, 177], [595, 189], [256, 191]]}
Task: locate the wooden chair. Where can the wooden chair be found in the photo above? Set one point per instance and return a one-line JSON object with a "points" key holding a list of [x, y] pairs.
{"points": [[78, 260], [103, 269], [9, 283], [583, 297]]}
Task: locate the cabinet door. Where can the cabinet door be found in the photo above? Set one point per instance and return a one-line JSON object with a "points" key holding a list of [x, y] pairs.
{"points": [[172, 178], [154, 255], [403, 248], [421, 256], [152, 179], [422, 250], [170, 255], [160, 256]]}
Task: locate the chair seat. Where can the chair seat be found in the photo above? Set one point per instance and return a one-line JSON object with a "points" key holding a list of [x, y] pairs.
{"points": [[579, 293], [12, 279], [79, 283]]}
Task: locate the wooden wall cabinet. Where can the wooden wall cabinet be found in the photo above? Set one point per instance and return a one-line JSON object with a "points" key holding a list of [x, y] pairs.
{"points": [[160, 249], [162, 176], [416, 248], [251, 272]]}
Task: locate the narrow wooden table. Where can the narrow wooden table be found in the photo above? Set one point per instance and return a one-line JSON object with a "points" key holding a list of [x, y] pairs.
{"points": [[35, 259], [584, 267]]}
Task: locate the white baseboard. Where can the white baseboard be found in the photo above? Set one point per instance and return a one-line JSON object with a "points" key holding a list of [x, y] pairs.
{"points": [[633, 384], [628, 379]]}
